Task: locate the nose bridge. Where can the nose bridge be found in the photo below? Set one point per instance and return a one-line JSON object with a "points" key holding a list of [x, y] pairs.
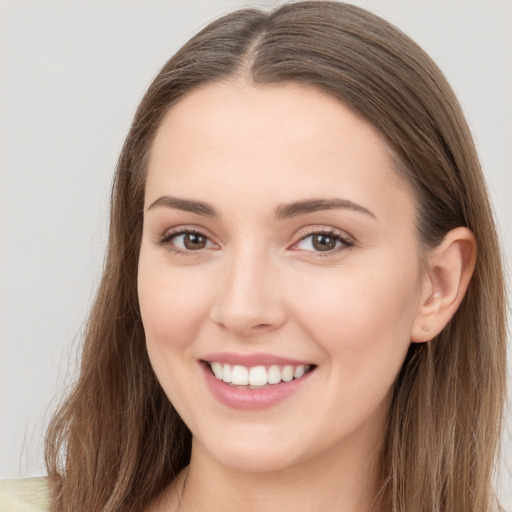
{"points": [[249, 298]]}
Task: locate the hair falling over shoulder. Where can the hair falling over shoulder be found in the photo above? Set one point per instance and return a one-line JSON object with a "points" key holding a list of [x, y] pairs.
{"points": [[117, 440]]}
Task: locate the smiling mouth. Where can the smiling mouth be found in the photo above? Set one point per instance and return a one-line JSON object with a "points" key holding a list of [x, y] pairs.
{"points": [[256, 377]]}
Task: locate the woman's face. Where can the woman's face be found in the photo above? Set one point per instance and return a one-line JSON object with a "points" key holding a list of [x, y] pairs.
{"points": [[278, 244]]}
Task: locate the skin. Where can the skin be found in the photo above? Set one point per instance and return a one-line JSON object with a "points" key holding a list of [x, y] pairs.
{"points": [[260, 285]]}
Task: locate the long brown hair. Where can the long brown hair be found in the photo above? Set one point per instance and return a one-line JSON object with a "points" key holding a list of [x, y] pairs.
{"points": [[117, 440]]}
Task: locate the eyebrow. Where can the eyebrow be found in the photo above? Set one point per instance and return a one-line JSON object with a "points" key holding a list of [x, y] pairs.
{"points": [[188, 205], [283, 211]]}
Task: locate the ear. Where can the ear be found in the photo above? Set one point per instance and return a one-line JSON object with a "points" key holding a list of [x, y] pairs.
{"points": [[449, 267]]}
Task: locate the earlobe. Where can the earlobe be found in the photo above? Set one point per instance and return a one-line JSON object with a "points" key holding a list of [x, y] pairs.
{"points": [[450, 266]]}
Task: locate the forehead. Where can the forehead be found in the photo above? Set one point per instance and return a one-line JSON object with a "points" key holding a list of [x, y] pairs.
{"points": [[266, 142]]}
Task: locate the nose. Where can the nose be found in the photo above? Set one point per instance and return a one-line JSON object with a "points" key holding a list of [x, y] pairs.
{"points": [[250, 299]]}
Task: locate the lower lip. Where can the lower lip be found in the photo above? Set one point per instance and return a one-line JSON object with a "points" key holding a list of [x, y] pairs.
{"points": [[251, 399]]}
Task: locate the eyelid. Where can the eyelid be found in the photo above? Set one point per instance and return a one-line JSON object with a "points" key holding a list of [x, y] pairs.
{"points": [[347, 240], [166, 238]]}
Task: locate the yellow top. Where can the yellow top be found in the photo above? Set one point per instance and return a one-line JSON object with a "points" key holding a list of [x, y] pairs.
{"points": [[24, 495]]}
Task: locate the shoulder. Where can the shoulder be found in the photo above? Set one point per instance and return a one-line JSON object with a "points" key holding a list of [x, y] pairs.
{"points": [[24, 495]]}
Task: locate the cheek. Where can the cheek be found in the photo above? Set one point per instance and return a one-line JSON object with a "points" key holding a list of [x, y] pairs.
{"points": [[172, 309], [172, 313], [362, 320], [362, 325]]}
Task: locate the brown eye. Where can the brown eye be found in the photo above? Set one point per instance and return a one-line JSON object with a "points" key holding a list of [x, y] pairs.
{"points": [[194, 241], [322, 242], [186, 242]]}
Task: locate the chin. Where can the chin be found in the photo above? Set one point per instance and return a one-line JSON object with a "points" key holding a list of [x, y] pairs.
{"points": [[255, 455]]}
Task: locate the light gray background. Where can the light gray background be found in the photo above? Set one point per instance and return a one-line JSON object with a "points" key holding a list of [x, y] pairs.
{"points": [[71, 75]]}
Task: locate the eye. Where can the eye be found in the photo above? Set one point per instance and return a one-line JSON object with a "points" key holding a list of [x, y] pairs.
{"points": [[323, 241], [185, 241]]}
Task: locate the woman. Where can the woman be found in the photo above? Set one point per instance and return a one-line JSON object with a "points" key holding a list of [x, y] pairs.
{"points": [[302, 305]]}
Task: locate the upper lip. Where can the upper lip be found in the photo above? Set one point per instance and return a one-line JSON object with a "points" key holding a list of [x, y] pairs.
{"points": [[255, 359]]}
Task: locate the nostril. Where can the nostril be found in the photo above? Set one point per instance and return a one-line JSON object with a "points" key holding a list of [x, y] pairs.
{"points": [[243, 324]]}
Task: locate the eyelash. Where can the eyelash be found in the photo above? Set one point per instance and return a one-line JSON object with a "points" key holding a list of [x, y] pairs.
{"points": [[166, 239], [346, 243]]}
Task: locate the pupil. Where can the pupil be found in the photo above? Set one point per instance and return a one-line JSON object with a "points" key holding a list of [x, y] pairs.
{"points": [[324, 242], [194, 242]]}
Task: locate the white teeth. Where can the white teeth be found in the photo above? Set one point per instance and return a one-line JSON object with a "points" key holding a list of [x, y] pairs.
{"points": [[218, 370], [287, 373], [226, 373], [240, 376], [256, 376], [299, 371], [274, 375]]}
